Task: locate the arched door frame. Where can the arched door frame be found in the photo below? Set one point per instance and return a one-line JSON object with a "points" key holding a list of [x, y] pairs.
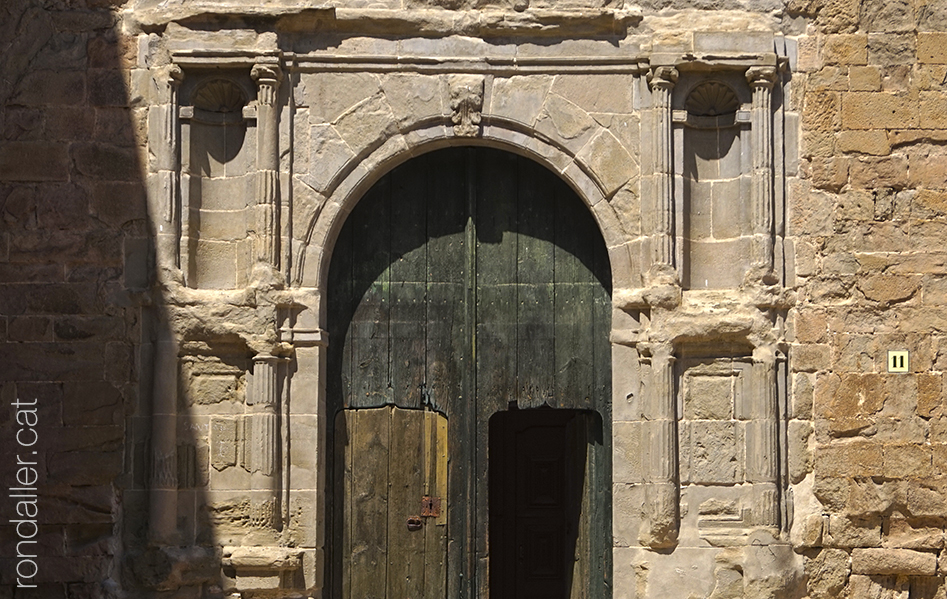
{"points": [[326, 226]]}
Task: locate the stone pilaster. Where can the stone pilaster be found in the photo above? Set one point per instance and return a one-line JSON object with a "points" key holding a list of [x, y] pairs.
{"points": [[266, 223], [262, 440], [761, 80], [762, 440], [662, 82], [662, 519], [164, 144], [164, 463]]}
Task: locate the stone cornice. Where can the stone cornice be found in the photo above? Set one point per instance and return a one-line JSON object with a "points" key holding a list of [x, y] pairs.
{"points": [[434, 22]]}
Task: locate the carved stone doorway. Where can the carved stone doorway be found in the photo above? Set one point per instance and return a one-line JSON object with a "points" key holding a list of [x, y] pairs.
{"points": [[467, 282]]}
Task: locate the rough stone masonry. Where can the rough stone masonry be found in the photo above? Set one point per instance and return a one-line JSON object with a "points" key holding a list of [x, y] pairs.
{"points": [[769, 180]]}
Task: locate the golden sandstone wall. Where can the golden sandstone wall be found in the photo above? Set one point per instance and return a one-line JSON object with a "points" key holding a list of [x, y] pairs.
{"points": [[133, 384], [868, 218]]}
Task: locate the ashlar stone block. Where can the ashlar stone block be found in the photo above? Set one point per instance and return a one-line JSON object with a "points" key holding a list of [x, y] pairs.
{"points": [[329, 95], [611, 93], [906, 562], [708, 397], [519, 99], [413, 97]]}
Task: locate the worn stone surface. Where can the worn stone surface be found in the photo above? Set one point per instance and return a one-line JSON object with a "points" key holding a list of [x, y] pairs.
{"points": [[134, 298]]}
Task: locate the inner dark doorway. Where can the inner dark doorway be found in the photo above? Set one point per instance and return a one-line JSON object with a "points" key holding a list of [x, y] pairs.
{"points": [[466, 282], [538, 493]]}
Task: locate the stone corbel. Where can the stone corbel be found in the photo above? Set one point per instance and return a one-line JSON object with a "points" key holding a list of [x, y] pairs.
{"points": [[466, 102], [761, 80], [266, 223], [662, 80]]}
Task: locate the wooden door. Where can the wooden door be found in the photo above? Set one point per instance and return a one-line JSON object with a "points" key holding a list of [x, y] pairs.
{"points": [[392, 475], [468, 282], [538, 546]]}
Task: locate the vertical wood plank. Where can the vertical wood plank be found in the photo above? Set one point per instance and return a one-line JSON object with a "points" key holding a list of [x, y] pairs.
{"points": [[496, 359], [344, 425], [535, 285], [447, 340], [449, 373], [408, 311], [371, 285], [406, 556], [435, 529], [575, 289], [370, 449]]}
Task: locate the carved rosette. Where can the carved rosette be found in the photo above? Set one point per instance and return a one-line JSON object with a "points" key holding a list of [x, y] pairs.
{"points": [[662, 81], [466, 102]]}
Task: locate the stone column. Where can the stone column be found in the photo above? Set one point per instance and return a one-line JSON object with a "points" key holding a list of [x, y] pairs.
{"points": [[163, 488], [261, 449], [662, 83], [762, 439], [164, 145], [761, 80], [266, 223], [661, 413]]}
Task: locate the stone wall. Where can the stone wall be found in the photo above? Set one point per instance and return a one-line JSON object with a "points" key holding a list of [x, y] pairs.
{"points": [[868, 223], [74, 270], [162, 262]]}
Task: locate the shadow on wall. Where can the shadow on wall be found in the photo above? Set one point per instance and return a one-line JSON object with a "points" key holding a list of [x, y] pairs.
{"points": [[78, 320]]}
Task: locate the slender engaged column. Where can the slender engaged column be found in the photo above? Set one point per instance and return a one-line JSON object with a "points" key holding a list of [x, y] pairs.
{"points": [[762, 440], [662, 82], [163, 499], [761, 80], [262, 440], [266, 249], [663, 502], [167, 152]]}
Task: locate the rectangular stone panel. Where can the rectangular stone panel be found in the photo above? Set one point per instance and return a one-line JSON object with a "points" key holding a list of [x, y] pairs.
{"points": [[223, 442], [708, 397], [711, 452]]}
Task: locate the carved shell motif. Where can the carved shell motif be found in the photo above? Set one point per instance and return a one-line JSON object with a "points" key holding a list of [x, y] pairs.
{"points": [[219, 95], [712, 99]]}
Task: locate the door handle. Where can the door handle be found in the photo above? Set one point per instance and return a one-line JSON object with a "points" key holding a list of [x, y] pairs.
{"points": [[415, 523]]}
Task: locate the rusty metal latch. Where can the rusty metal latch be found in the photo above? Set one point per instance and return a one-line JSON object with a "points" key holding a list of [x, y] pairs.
{"points": [[414, 523], [430, 506]]}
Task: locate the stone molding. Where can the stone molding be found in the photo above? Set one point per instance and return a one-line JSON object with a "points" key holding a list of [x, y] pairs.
{"points": [[667, 316], [496, 23]]}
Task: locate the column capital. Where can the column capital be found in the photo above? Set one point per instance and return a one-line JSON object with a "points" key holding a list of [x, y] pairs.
{"points": [[663, 77], [175, 74], [267, 78], [267, 358], [763, 77], [265, 74]]}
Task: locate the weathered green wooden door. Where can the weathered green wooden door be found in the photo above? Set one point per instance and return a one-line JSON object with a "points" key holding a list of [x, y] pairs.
{"points": [[466, 282]]}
